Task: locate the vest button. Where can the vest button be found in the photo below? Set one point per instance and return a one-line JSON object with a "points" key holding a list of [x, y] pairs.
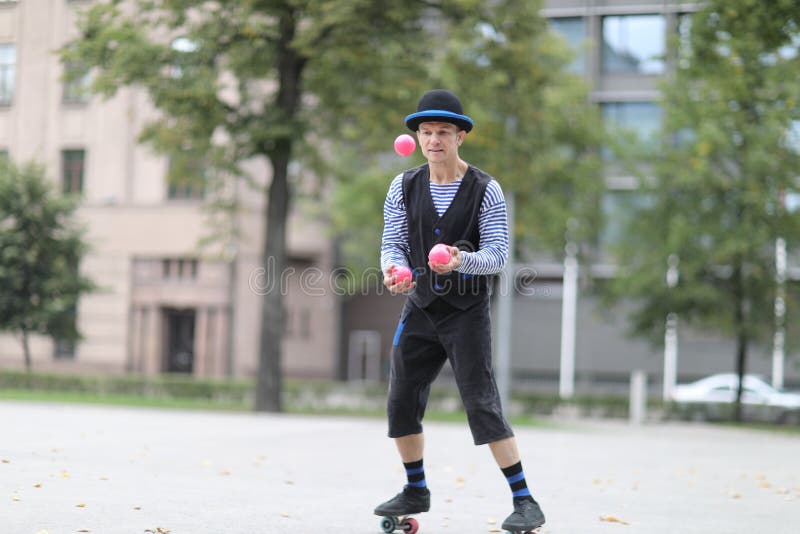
{"points": [[437, 231], [437, 287]]}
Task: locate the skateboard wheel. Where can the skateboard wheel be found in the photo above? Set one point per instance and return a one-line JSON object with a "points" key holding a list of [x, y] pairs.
{"points": [[388, 524], [410, 526]]}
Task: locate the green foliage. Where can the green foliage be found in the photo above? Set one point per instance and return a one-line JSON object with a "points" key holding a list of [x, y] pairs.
{"points": [[714, 195], [326, 83], [536, 131], [40, 250], [167, 386]]}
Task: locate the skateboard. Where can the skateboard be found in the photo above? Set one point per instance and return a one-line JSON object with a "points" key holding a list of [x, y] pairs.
{"points": [[403, 523], [536, 530]]}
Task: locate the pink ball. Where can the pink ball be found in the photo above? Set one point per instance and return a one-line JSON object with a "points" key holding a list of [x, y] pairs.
{"points": [[401, 273], [439, 255], [404, 145]]}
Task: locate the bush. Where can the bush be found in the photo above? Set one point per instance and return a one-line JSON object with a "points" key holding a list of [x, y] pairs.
{"points": [[162, 386]]}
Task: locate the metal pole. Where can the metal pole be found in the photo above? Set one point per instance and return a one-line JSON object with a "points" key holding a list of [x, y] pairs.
{"points": [[505, 301], [637, 407], [778, 343], [569, 305], [671, 335]]}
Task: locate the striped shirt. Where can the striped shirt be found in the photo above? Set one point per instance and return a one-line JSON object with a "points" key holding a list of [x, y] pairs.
{"points": [[492, 227]]}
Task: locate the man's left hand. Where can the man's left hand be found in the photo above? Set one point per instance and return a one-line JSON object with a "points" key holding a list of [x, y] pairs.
{"points": [[452, 265]]}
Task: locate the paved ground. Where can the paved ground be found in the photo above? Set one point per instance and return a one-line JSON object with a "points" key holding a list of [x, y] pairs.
{"points": [[72, 469]]}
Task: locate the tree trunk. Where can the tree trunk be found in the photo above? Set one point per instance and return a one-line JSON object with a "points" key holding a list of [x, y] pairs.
{"points": [[269, 386], [740, 322], [290, 68], [26, 350], [741, 360]]}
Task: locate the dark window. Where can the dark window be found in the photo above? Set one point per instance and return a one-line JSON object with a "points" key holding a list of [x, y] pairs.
{"points": [[72, 170], [179, 349], [179, 268]]}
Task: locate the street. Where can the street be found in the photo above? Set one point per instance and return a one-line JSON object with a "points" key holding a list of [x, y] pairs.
{"points": [[67, 469]]}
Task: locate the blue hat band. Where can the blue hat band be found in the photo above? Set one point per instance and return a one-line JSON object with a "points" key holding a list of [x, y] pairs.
{"points": [[439, 113]]}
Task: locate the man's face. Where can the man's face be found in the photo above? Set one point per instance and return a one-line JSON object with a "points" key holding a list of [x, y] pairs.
{"points": [[439, 141]]}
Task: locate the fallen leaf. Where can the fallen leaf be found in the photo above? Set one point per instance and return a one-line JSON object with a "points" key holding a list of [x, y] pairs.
{"points": [[15, 499], [781, 491], [137, 507], [289, 482], [5, 461], [84, 530], [495, 530], [37, 485], [81, 505], [613, 519], [765, 485], [103, 478], [735, 495], [492, 521], [224, 473], [284, 514], [64, 474]]}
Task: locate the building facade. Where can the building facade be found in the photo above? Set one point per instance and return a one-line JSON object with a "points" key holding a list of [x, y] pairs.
{"points": [[621, 51], [165, 303]]}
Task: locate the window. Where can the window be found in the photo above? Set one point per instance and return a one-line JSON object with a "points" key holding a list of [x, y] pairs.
{"points": [[619, 208], [72, 170], [76, 90], [183, 47], [633, 44], [179, 268], [573, 30], [642, 119], [186, 177], [8, 65], [64, 349]]}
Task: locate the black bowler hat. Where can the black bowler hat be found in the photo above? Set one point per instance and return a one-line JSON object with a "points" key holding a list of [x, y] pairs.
{"points": [[439, 105]]}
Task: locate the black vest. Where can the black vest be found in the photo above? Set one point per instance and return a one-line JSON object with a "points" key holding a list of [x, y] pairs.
{"points": [[458, 227]]}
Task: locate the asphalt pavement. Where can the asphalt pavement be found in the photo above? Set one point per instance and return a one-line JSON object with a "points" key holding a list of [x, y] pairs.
{"points": [[67, 469]]}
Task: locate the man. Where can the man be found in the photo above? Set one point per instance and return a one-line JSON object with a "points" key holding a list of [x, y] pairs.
{"points": [[446, 315]]}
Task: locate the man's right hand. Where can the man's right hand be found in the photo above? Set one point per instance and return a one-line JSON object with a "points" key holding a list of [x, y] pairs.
{"points": [[395, 286]]}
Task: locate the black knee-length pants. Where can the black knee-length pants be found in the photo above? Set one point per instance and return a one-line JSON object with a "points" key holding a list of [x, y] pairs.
{"points": [[424, 339]]}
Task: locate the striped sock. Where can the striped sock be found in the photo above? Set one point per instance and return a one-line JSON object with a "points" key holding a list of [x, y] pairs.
{"points": [[416, 474], [516, 479]]}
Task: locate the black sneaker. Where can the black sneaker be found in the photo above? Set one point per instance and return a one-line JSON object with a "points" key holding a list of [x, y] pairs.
{"points": [[411, 500], [526, 516]]}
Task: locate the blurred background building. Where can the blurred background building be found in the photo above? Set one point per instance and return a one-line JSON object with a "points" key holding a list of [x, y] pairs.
{"points": [[621, 51], [168, 306], [165, 305]]}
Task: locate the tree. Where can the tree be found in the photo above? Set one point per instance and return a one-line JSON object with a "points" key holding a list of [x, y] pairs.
{"points": [[715, 195], [536, 131], [269, 79], [40, 249]]}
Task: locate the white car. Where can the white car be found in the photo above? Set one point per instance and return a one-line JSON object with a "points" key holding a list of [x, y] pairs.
{"points": [[713, 397]]}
